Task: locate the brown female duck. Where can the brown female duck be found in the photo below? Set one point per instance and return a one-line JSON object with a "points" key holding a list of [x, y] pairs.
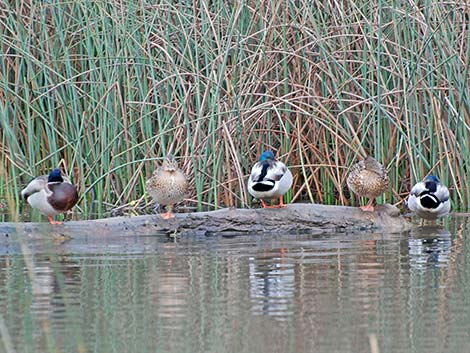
{"points": [[368, 178], [168, 185]]}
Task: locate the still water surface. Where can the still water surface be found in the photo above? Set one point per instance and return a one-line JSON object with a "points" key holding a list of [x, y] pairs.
{"points": [[255, 293]]}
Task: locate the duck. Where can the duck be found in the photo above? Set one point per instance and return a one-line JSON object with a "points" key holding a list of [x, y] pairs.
{"points": [[269, 179], [429, 198], [51, 194], [368, 178], [168, 185]]}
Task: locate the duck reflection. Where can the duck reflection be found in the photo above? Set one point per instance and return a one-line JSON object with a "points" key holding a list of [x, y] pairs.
{"points": [[271, 286], [429, 246], [169, 284], [45, 283]]}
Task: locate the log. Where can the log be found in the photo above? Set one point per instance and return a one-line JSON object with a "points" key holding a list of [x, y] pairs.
{"points": [[293, 219]]}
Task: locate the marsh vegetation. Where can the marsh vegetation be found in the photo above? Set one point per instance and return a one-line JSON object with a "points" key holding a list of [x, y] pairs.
{"points": [[104, 89]]}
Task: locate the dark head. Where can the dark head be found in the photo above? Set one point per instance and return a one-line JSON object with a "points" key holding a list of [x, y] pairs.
{"points": [[431, 183], [55, 176], [432, 178], [267, 155]]}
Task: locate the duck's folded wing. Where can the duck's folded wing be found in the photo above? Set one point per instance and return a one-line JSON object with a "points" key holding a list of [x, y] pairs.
{"points": [[256, 172], [34, 186], [418, 188], [261, 177], [442, 193], [276, 171]]}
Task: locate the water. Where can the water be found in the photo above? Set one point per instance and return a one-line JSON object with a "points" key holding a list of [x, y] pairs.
{"points": [[255, 293]]}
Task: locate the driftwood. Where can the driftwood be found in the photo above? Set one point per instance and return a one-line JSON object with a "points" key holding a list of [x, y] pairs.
{"points": [[293, 219]]}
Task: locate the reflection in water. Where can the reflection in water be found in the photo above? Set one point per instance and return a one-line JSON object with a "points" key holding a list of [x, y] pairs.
{"points": [[271, 286], [169, 286], [429, 246], [47, 278], [210, 294], [43, 284]]}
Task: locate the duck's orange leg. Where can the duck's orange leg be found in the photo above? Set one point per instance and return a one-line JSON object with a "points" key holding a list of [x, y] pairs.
{"points": [[281, 203], [264, 204], [369, 207], [168, 214], [52, 220]]}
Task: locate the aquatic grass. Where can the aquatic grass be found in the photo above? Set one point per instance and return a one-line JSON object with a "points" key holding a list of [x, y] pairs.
{"points": [[106, 89]]}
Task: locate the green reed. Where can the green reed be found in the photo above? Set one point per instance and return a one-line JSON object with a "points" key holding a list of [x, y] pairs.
{"points": [[106, 89]]}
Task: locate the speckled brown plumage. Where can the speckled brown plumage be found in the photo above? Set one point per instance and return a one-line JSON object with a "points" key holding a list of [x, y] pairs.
{"points": [[368, 178], [168, 185]]}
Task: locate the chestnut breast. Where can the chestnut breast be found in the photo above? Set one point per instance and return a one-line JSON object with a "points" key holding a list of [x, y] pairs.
{"points": [[64, 196]]}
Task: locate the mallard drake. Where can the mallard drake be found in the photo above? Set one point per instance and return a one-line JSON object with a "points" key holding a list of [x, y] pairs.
{"points": [[368, 178], [269, 179], [51, 194], [429, 198], [168, 185]]}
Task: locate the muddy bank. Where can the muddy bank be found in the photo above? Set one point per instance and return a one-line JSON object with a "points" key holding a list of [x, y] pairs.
{"points": [[295, 218]]}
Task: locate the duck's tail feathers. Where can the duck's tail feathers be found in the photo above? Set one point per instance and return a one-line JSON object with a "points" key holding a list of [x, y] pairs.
{"points": [[263, 186], [430, 201]]}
